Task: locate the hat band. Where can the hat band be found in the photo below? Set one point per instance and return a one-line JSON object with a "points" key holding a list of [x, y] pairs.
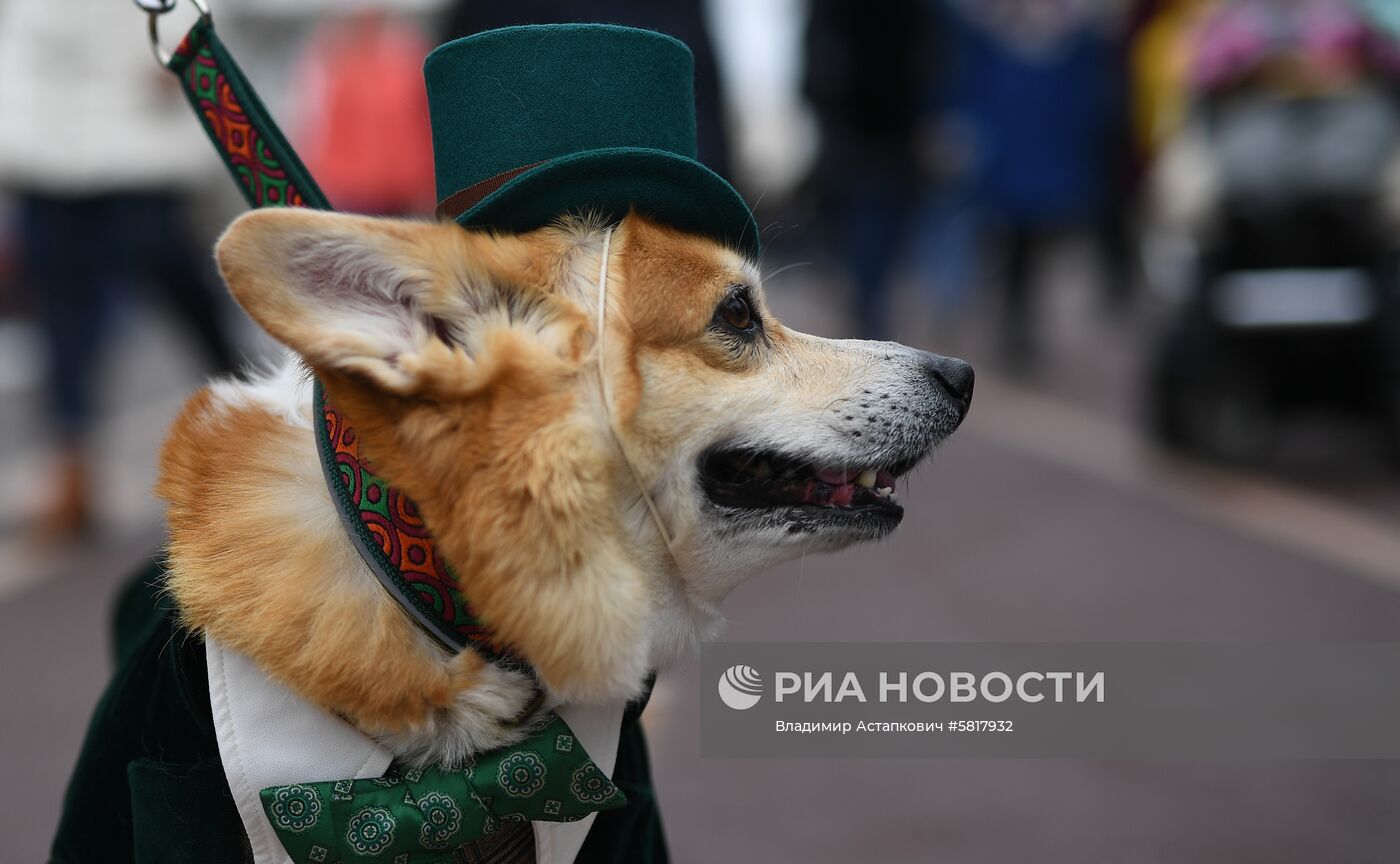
{"points": [[462, 200]]}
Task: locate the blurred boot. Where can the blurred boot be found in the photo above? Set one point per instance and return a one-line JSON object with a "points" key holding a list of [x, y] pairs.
{"points": [[69, 515], [1018, 326]]}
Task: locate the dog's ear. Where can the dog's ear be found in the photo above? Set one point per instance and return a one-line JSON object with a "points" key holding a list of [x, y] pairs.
{"points": [[356, 293]]}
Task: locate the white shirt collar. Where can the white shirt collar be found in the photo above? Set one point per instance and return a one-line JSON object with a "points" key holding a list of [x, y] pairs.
{"points": [[269, 736]]}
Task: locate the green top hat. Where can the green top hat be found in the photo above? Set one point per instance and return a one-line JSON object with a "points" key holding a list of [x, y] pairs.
{"points": [[533, 122]]}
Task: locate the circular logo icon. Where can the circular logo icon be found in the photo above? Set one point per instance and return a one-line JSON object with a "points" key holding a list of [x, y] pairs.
{"points": [[740, 687]]}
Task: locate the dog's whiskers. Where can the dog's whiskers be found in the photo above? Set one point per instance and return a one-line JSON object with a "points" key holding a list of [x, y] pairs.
{"points": [[786, 267]]}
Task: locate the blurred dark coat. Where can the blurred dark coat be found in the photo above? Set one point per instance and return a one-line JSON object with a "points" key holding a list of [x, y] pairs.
{"points": [[868, 68], [868, 73], [1046, 121], [150, 788]]}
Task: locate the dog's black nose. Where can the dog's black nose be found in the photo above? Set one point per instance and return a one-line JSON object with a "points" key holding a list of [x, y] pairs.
{"points": [[953, 375]]}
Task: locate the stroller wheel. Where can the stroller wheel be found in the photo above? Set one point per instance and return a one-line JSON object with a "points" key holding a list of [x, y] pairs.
{"points": [[1167, 423], [1221, 411]]}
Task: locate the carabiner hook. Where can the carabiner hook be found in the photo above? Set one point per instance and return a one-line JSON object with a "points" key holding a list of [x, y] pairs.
{"points": [[156, 8]]}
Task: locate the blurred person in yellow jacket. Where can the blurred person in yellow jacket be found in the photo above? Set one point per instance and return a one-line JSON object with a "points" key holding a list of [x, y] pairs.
{"points": [[1160, 61]]}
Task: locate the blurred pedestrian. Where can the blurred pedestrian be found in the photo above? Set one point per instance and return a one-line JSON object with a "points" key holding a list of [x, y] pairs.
{"points": [[1160, 63], [101, 152], [1040, 84], [867, 76], [362, 119]]}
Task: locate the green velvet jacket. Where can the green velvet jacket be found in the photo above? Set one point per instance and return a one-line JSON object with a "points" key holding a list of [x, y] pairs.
{"points": [[149, 787]]}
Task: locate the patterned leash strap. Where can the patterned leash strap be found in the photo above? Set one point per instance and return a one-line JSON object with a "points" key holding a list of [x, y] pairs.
{"points": [[262, 163], [394, 543]]}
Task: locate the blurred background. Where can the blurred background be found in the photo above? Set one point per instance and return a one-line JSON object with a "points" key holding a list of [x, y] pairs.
{"points": [[1163, 231]]}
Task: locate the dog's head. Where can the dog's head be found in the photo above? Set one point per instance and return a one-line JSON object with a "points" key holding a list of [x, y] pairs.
{"points": [[472, 367]]}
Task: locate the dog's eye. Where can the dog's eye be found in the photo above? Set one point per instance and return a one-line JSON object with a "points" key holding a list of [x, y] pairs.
{"points": [[737, 312]]}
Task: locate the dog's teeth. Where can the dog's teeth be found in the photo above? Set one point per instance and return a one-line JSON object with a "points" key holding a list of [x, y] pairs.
{"points": [[866, 479], [763, 469], [886, 491]]}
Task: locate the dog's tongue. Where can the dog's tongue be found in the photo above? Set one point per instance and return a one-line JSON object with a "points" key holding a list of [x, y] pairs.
{"points": [[832, 477], [818, 493], [842, 496]]}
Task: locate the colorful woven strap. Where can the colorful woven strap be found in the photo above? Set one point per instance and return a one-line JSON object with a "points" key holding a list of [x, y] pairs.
{"points": [[385, 527], [381, 521], [263, 164]]}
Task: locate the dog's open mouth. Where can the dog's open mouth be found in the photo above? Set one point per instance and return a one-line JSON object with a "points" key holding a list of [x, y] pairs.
{"points": [[752, 480]]}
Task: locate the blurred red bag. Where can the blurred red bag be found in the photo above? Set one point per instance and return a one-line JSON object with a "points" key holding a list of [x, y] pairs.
{"points": [[362, 124]]}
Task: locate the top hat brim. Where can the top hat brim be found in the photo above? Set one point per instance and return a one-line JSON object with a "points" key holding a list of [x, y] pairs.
{"points": [[673, 189]]}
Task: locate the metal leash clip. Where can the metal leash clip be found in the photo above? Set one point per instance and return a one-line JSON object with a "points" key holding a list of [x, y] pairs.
{"points": [[156, 8]]}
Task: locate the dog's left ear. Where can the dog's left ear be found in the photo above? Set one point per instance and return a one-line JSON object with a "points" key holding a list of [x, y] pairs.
{"points": [[355, 293]]}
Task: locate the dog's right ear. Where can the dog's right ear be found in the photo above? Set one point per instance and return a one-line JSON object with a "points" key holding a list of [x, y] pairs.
{"points": [[356, 293]]}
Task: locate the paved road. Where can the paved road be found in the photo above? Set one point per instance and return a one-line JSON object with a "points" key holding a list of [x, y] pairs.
{"points": [[1038, 553], [1043, 519]]}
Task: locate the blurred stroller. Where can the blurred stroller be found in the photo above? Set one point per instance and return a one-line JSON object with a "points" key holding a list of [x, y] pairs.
{"points": [[1285, 188]]}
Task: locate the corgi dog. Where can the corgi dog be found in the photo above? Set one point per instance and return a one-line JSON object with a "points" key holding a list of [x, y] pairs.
{"points": [[604, 426]]}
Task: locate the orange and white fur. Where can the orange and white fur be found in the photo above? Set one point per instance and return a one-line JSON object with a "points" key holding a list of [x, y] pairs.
{"points": [[467, 361]]}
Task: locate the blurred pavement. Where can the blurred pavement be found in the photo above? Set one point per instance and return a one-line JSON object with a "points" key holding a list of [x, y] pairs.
{"points": [[1044, 518]]}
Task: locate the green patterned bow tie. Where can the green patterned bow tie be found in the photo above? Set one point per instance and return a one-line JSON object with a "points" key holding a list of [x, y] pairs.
{"points": [[420, 816]]}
